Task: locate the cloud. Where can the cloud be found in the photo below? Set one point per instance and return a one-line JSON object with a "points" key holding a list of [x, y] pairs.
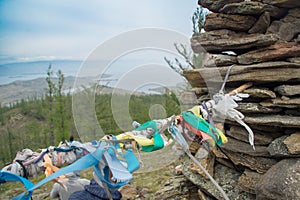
{"points": [[72, 28]]}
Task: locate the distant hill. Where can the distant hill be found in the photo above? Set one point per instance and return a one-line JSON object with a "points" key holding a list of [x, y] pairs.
{"points": [[33, 89], [36, 88]]}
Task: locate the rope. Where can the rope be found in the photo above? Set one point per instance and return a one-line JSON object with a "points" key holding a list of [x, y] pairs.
{"points": [[180, 140], [209, 117], [25, 174], [94, 158], [232, 113], [225, 80], [208, 175]]}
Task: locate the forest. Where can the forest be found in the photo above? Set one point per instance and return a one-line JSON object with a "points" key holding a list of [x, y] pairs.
{"points": [[39, 123]]}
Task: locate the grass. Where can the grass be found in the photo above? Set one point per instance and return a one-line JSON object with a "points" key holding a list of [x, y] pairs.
{"points": [[152, 181]]}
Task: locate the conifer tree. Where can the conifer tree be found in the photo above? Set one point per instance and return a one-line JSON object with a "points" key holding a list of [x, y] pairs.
{"points": [[50, 96], [61, 103]]}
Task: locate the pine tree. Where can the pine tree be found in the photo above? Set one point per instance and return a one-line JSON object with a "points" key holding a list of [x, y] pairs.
{"points": [[50, 96], [61, 103], [10, 142]]}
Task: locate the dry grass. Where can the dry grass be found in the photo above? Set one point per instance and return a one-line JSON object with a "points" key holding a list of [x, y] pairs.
{"points": [[152, 181]]}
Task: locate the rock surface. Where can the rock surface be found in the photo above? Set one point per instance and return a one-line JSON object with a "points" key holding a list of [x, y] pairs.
{"points": [[262, 24], [280, 51], [267, 54], [274, 120], [283, 3], [256, 108], [227, 182], [215, 21], [248, 180], [216, 5], [288, 27], [278, 149], [217, 42], [258, 164], [283, 102], [292, 143], [240, 133], [213, 60], [177, 188], [282, 181], [244, 148], [244, 8], [260, 73], [288, 90], [207, 160], [261, 93]]}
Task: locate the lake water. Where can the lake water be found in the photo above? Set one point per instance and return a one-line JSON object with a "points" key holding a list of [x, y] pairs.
{"points": [[32, 70], [126, 73]]}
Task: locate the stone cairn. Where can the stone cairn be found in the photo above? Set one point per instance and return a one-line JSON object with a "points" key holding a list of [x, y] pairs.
{"points": [[264, 36]]}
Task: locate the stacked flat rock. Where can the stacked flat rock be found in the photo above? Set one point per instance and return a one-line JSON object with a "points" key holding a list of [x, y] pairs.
{"points": [[264, 40]]}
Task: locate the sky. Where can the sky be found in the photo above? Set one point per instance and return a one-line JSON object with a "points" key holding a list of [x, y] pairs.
{"points": [[70, 29]]}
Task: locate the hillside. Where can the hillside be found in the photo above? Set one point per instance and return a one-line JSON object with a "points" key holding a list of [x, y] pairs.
{"points": [[145, 185], [34, 89], [26, 125]]}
